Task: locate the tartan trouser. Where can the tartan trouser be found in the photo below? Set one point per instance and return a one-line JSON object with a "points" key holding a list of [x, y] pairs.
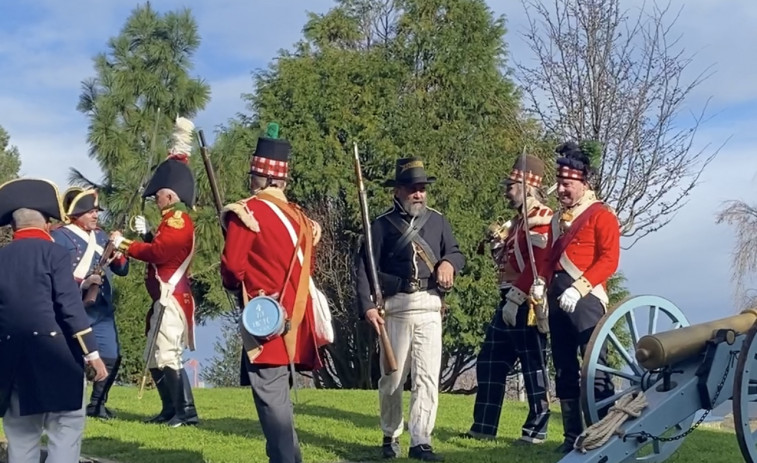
{"points": [[502, 347]]}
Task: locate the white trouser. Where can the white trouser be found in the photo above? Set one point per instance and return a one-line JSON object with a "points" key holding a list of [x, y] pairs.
{"points": [[171, 337], [414, 326], [64, 433]]}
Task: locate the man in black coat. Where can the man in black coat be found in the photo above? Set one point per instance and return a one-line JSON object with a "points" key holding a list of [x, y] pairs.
{"points": [[45, 335], [417, 258]]}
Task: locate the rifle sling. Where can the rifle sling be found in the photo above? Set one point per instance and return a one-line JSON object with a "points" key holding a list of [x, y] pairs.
{"points": [[411, 233]]}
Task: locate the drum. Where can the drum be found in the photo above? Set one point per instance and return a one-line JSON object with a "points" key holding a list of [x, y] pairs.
{"points": [[264, 318]]}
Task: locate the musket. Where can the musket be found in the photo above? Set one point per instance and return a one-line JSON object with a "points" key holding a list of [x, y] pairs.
{"points": [[91, 295], [390, 362], [211, 175], [217, 202]]}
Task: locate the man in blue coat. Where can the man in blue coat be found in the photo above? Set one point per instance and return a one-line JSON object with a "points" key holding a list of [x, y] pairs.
{"points": [[45, 335], [86, 243]]}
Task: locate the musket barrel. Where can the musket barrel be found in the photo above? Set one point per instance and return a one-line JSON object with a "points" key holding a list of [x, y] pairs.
{"points": [[669, 347]]}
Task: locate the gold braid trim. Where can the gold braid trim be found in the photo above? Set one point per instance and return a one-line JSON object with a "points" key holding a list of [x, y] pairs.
{"points": [[80, 337]]}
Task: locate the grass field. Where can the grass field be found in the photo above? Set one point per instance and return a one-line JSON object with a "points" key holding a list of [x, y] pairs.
{"points": [[333, 426]]}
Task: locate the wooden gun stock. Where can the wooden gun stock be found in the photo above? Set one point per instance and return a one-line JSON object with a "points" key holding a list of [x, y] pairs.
{"points": [[91, 295], [390, 362]]}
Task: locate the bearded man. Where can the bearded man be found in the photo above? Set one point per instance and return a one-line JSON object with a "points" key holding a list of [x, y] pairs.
{"points": [[417, 258]]}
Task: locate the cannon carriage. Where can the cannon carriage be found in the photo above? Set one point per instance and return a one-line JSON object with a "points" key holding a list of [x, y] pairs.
{"points": [[666, 372]]}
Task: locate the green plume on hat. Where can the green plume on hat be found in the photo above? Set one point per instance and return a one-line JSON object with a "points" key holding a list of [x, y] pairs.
{"points": [[593, 150], [272, 131]]}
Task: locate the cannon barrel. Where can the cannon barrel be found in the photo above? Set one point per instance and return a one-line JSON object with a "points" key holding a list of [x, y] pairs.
{"points": [[670, 347]]}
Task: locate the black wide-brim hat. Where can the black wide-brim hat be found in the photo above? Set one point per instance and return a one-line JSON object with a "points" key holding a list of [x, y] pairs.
{"points": [[30, 193], [77, 201], [409, 171], [177, 176]]}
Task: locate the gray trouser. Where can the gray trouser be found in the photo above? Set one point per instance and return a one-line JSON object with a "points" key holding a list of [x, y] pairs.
{"points": [[64, 433], [270, 390]]}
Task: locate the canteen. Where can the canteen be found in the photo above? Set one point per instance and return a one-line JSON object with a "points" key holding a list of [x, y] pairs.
{"points": [[264, 318]]}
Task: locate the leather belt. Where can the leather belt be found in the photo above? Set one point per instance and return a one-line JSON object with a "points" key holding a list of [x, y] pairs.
{"points": [[413, 285]]}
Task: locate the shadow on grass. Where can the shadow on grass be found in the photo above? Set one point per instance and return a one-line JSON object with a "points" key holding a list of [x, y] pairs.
{"points": [[122, 451]]}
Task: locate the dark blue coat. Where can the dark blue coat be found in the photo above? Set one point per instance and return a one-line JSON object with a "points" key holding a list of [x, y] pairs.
{"points": [[44, 331], [102, 316]]}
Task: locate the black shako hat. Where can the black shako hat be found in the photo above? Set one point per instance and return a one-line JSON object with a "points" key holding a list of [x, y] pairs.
{"points": [[29, 193], [409, 171]]}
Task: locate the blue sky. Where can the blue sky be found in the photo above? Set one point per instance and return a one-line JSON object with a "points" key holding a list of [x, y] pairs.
{"points": [[46, 50]]}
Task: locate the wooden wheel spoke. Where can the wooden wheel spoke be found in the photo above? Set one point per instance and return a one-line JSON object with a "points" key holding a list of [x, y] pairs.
{"points": [[624, 353], [622, 374], [653, 314]]}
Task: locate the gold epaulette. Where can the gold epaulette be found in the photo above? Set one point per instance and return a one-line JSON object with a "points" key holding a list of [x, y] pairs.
{"points": [[176, 220], [243, 212]]}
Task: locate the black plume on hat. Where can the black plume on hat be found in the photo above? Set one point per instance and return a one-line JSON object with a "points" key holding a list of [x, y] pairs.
{"points": [[572, 156]]}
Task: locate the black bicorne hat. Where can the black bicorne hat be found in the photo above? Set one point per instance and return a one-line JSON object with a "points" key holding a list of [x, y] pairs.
{"points": [[77, 200], [409, 171], [30, 193], [177, 176]]}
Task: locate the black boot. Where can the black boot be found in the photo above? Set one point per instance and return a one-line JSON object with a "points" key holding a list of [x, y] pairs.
{"points": [[572, 423], [167, 412], [99, 397], [181, 392]]}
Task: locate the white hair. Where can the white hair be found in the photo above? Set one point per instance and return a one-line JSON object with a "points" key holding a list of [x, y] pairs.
{"points": [[26, 218], [175, 199]]}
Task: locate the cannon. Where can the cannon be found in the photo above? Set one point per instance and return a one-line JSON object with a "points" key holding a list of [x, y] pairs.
{"points": [[665, 371]]}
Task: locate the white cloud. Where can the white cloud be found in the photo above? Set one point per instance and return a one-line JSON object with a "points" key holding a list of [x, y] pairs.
{"points": [[687, 261]]}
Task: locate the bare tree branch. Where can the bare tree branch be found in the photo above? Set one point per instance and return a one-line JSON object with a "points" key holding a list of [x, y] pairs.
{"points": [[603, 75]]}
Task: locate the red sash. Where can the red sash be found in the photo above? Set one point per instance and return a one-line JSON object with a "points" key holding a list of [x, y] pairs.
{"points": [[561, 243]]}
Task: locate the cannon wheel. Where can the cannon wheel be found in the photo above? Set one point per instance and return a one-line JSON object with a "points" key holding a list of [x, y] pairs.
{"points": [[624, 317], [744, 394]]}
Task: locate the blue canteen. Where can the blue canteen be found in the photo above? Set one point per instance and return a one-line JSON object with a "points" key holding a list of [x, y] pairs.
{"points": [[264, 318]]}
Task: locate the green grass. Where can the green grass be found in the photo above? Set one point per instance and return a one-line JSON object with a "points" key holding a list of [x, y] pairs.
{"points": [[333, 426]]}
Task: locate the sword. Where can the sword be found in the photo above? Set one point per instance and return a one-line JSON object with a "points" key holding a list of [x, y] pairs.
{"points": [[524, 211], [533, 303]]}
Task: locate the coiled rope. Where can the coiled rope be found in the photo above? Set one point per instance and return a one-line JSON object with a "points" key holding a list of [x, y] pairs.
{"points": [[596, 435]]}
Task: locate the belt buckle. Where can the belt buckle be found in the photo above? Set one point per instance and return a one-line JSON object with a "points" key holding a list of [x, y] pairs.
{"points": [[414, 285]]}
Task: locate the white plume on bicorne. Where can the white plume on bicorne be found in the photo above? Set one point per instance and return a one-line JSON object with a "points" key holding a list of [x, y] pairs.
{"points": [[181, 138]]}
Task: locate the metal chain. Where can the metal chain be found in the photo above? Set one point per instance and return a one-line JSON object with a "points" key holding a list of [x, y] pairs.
{"points": [[645, 435]]}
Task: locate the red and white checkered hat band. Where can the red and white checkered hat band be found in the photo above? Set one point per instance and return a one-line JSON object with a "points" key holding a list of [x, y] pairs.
{"points": [[269, 167], [531, 179], [569, 173]]}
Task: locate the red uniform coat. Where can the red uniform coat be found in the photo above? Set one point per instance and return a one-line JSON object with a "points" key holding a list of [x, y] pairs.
{"points": [[511, 254], [172, 243], [593, 254], [258, 252]]}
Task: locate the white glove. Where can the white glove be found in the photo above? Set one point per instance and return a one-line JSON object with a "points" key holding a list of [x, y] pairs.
{"points": [[569, 299], [509, 311], [140, 225], [538, 289]]}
